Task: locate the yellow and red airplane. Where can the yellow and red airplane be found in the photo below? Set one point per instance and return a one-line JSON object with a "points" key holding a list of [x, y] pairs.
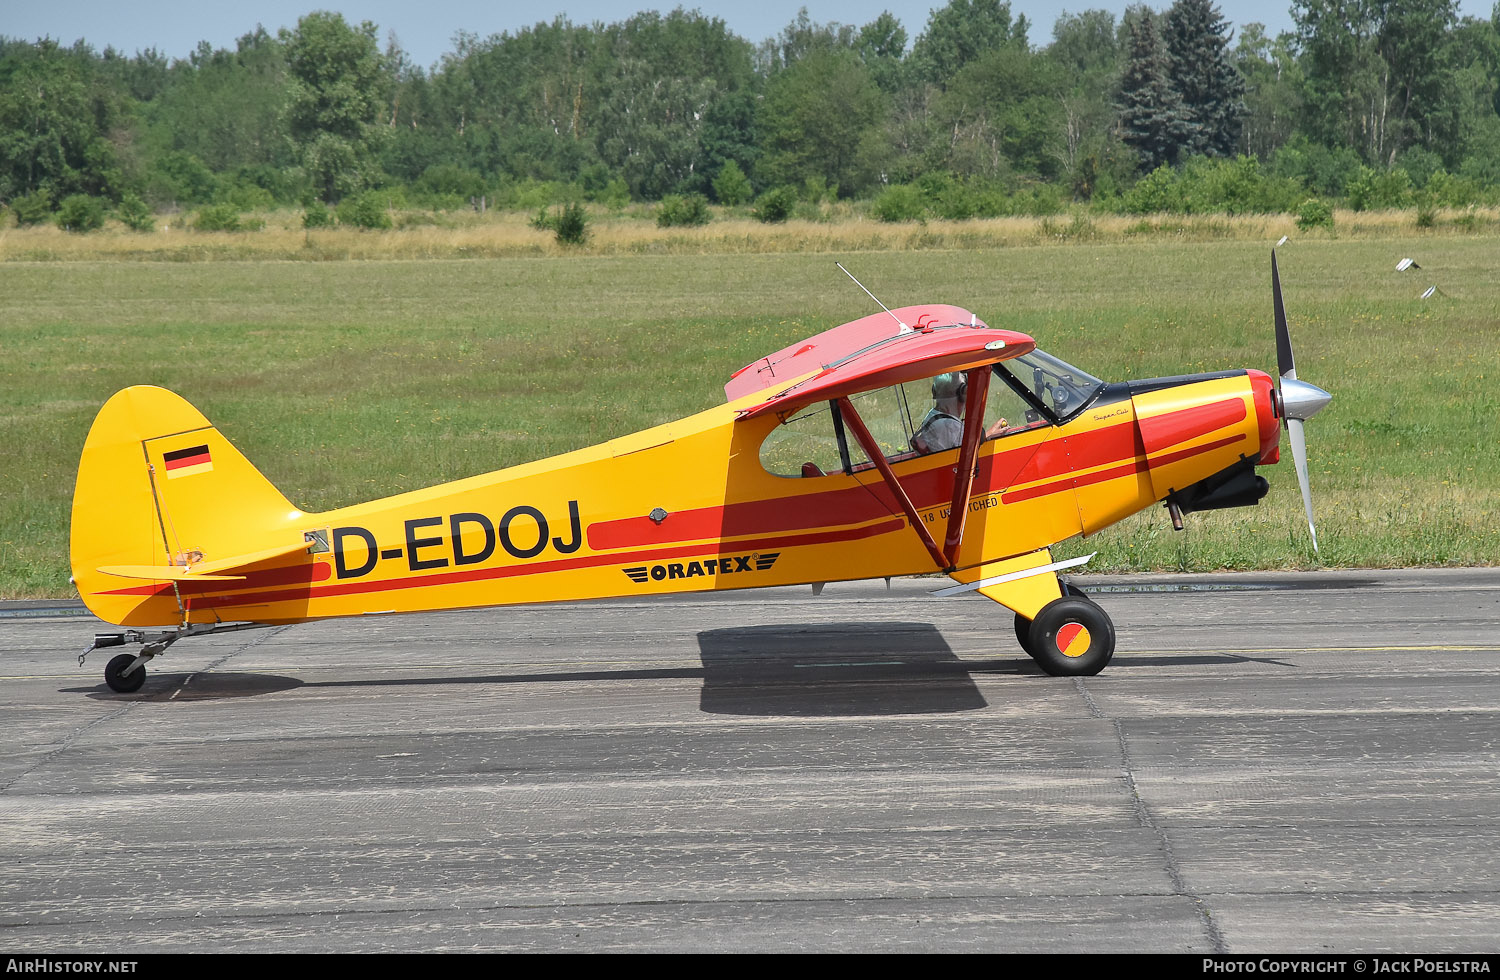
{"points": [[916, 440]]}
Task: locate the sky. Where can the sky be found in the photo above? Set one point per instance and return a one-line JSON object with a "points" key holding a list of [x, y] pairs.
{"points": [[425, 28]]}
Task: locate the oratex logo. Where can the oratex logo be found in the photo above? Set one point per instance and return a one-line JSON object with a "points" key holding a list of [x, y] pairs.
{"points": [[728, 565]]}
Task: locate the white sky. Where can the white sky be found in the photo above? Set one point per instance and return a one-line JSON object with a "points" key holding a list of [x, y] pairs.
{"points": [[426, 28]]}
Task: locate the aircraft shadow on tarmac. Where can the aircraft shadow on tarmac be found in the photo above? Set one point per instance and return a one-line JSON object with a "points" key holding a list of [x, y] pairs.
{"points": [[207, 686], [824, 669]]}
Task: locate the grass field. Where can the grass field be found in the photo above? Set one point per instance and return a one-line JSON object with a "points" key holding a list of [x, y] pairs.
{"points": [[347, 380]]}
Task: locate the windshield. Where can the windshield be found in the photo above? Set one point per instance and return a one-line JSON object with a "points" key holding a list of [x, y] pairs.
{"points": [[1059, 386]]}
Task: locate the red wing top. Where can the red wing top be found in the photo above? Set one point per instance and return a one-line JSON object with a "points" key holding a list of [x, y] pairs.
{"points": [[874, 352]]}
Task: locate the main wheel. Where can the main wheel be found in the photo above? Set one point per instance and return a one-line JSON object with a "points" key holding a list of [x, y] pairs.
{"points": [[1023, 625], [118, 680], [1071, 637]]}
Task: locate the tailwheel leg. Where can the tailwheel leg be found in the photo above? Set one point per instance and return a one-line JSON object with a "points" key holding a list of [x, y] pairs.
{"points": [[1071, 637]]}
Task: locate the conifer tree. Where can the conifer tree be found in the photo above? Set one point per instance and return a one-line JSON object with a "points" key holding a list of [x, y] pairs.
{"points": [[1200, 69], [1152, 121]]}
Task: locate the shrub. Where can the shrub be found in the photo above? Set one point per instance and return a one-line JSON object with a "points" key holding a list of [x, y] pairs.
{"points": [[1453, 192], [1153, 193], [316, 215], [900, 202], [614, 195], [451, 180], [364, 211], [247, 197], [682, 209], [32, 209], [80, 213], [1315, 213], [135, 214], [731, 186], [1426, 211], [1037, 201], [776, 204], [571, 224], [218, 217], [1371, 189]]}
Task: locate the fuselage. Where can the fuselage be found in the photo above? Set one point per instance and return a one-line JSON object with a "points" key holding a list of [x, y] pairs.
{"points": [[691, 507]]}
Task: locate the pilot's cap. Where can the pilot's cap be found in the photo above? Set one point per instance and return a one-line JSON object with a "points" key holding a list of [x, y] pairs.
{"points": [[950, 385]]}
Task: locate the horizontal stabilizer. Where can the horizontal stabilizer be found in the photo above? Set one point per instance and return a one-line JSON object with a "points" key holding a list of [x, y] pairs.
{"points": [[205, 571], [165, 573]]}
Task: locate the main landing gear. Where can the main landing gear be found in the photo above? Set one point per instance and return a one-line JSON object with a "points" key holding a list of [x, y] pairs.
{"points": [[1071, 636]]}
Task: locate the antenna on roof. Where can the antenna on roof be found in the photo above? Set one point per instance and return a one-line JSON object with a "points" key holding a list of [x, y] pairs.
{"points": [[904, 327]]}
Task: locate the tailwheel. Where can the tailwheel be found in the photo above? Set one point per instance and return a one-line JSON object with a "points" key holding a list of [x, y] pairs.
{"points": [[1071, 637], [118, 680]]}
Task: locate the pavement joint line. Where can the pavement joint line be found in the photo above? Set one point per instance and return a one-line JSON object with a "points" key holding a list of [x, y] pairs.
{"points": [[1146, 820]]}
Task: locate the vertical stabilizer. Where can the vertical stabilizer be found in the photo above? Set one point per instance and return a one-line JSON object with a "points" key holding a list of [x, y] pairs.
{"points": [[158, 485]]}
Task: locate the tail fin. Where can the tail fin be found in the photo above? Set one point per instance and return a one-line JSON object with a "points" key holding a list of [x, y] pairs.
{"points": [[161, 490]]}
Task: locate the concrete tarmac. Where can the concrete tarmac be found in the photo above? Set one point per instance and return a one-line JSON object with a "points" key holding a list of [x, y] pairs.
{"points": [[1272, 763]]}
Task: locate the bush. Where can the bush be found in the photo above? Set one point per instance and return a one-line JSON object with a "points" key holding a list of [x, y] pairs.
{"points": [[901, 202], [218, 217], [32, 209], [775, 205], [731, 186], [1037, 201], [80, 213], [316, 215], [1315, 213], [247, 197], [135, 214], [452, 181], [687, 210], [1449, 191], [571, 224], [1153, 193], [182, 177], [614, 195], [1371, 189], [364, 211]]}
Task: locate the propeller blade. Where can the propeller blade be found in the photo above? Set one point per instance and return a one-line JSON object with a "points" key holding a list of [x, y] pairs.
{"points": [[1299, 457], [1285, 366]]}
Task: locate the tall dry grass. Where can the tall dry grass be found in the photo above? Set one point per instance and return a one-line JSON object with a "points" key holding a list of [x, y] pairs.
{"points": [[463, 235]]}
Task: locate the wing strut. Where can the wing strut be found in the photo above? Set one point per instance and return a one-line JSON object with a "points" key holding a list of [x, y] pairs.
{"points": [[872, 450], [963, 476]]}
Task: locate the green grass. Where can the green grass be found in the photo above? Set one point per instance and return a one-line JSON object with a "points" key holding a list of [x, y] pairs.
{"points": [[345, 381]]}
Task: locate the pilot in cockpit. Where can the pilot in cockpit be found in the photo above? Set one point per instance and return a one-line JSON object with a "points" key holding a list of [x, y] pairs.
{"points": [[943, 428]]}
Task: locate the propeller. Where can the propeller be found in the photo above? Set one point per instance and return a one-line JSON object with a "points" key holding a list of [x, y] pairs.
{"points": [[1299, 400]]}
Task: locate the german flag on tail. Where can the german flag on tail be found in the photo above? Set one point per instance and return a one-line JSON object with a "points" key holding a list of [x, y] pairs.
{"points": [[186, 462]]}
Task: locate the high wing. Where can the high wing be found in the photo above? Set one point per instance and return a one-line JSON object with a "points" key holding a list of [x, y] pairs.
{"points": [[874, 352]]}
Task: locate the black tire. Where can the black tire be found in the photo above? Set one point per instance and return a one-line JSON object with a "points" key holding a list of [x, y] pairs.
{"points": [[118, 680], [1071, 637], [1023, 625]]}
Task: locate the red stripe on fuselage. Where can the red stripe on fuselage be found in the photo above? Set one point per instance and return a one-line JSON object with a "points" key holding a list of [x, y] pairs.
{"points": [[532, 568]]}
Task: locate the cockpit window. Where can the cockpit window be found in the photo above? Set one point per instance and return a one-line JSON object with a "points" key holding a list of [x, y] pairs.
{"points": [[1061, 388], [925, 416], [805, 444]]}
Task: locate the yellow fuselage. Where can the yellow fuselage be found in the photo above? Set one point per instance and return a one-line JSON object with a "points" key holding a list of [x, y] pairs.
{"points": [[684, 507]]}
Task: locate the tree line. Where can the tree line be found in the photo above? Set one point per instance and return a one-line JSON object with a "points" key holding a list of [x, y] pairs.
{"points": [[1371, 102]]}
